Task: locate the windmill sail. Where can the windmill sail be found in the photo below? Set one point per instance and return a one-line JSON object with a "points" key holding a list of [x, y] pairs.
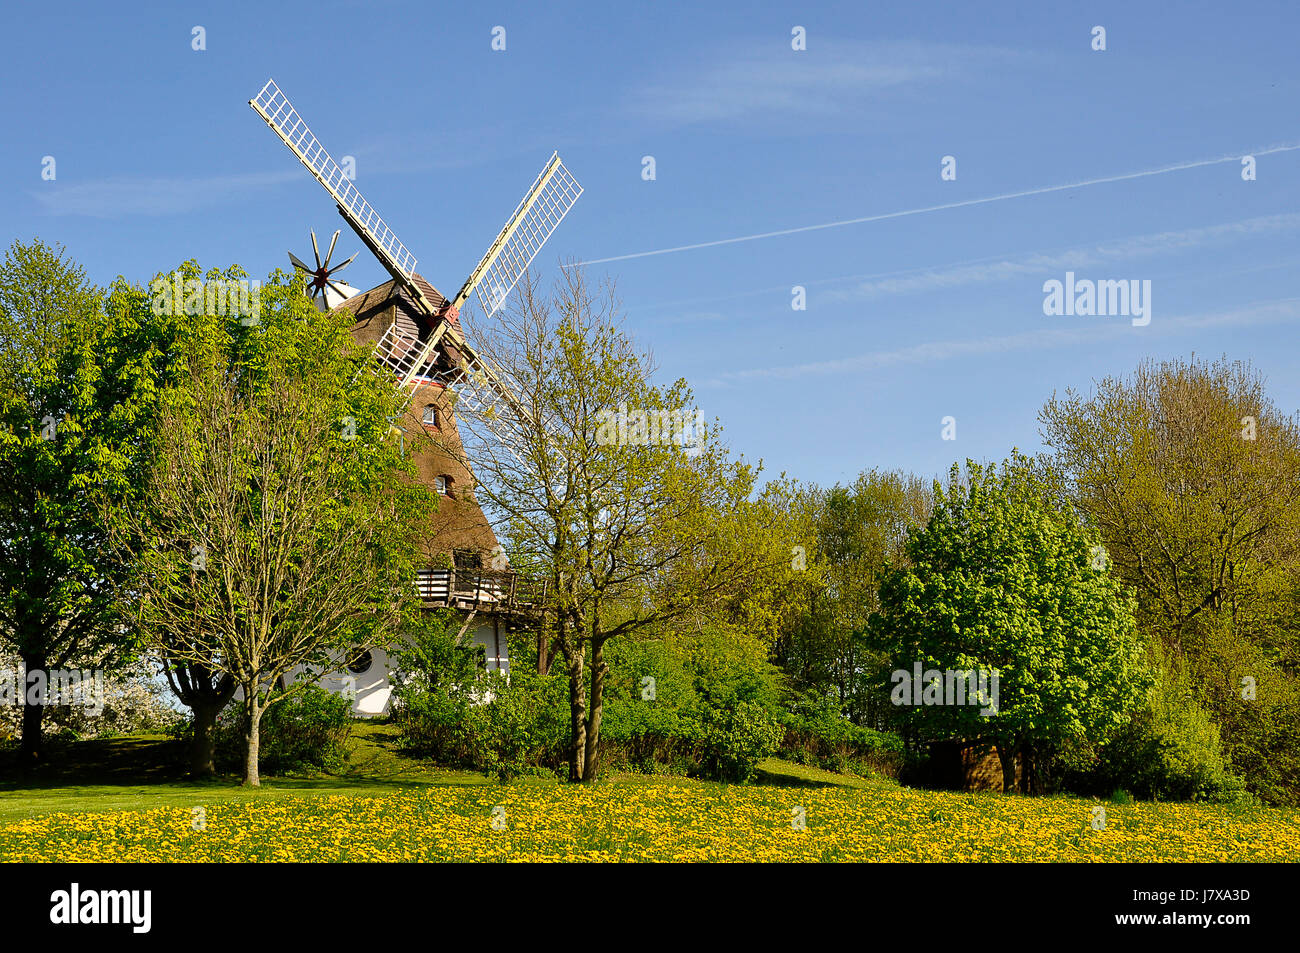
{"points": [[535, 218], [274, 107], [492, 402], [481, 389]]}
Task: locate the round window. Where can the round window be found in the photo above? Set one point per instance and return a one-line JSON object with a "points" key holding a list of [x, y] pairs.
{"points": [[361, 662]]}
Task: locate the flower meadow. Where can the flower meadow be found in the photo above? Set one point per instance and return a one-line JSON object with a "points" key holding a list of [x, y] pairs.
{"points": [[623, 820]]}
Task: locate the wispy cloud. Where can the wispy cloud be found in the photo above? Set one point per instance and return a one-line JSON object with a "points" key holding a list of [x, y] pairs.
{"points": [[946, 206], [770, 78], [995, 268], [987, 270], [1265, 312], [124, 196]]}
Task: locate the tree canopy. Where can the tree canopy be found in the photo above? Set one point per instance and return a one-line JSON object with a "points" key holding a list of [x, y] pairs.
{"points": [[281, 513], [79, 375], [1001, 580]]}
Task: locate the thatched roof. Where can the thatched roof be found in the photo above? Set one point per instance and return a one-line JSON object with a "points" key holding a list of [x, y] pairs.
{"points": [[460, 523]]}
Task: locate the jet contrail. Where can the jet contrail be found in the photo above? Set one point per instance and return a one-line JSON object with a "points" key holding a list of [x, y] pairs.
{"points": [[939, 208]]}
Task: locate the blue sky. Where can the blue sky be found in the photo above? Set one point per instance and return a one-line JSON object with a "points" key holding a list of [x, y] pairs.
{"points": [[909, 318]]}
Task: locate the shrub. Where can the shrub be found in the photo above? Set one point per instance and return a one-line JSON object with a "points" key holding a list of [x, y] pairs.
{"points": [[713, 712], [134, 701], [735, 740], [815, 732], [440, 725], [526, 725], [1169, 751], [522, 729], [307, 730], [649, 738]]}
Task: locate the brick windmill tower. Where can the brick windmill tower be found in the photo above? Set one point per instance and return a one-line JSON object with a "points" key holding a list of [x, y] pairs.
{"points": [[417, 336]]}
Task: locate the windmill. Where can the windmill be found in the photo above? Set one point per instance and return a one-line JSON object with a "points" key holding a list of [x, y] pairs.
{"points": [[325, 292], [417, 336], [413, 357]]}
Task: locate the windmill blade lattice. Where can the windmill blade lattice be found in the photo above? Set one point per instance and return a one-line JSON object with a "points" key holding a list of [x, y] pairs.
{"points": [[274, 107], [535, 218]]}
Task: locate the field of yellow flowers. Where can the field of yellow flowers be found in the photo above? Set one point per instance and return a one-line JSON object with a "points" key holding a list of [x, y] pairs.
{"points": [[658, 820]]}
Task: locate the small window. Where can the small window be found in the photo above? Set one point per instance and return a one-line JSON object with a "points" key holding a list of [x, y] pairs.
{"points": [[430, 415], [440, 484], [361, 662]]}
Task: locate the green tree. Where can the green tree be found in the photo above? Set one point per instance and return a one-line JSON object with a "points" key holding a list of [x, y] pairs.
{"points": [[1002, 580], [1191, 474], [77, 384], [629, 524], [859, 531], [281, 513]]}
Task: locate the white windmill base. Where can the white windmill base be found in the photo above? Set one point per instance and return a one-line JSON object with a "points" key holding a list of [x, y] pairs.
{"points": [[371, 691]]}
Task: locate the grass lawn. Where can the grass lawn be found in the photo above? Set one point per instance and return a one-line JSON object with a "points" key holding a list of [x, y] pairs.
{"points": [[128, 800], [148, 771]]}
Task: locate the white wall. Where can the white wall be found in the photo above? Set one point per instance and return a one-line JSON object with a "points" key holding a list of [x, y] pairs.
{"points": [[374, 689]]}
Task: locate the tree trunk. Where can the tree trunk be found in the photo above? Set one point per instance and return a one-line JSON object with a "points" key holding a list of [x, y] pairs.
{"points": [[1026, 770], [33, 715], [577, 716], [1007, 755], [543, 648], [203, 744], [251, 737], [591, 758]]}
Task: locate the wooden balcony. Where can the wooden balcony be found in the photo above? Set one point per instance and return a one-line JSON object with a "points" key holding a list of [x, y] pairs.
{"points": [[487, 590]]}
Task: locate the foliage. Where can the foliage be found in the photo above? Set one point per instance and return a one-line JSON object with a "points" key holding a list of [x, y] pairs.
{"points": [[307, 729], [449, 709], [499, 727], [78, 379], [429, 657], [630, 528], [736, 739], [1003, 580], [858, 532], [816, 732], [1169, 751], [133, 701], [711, 712], [702, 702], [1191, 474], [281, 515]]}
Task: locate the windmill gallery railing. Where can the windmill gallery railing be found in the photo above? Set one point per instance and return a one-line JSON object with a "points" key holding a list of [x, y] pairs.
{"points": [[487, 589]]}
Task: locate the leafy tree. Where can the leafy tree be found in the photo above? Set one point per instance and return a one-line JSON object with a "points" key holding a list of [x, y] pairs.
{"points": [[77, 382], [281, 514], [859, 531], [1191, 474], [629, 525], [1002, 580], [1169, 751], [777, 536]]}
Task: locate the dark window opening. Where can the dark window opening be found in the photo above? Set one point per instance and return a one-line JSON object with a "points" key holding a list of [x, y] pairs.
{"points": [[468, 559]]}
